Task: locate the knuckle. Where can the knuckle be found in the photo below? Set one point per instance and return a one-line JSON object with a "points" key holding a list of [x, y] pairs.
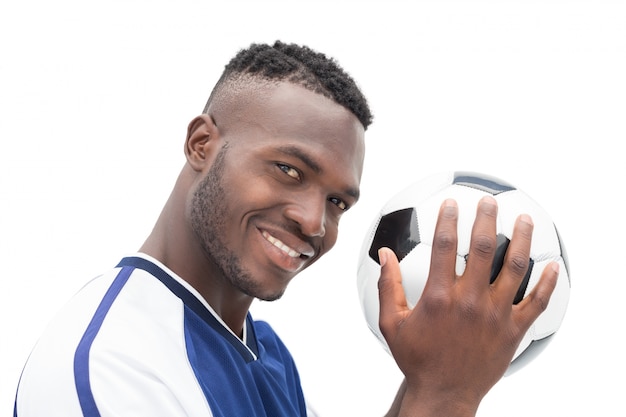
{"points": [[435, 303], [483, 245], [540, 301], [518, 263], [445, 241], [385, 287], [383, 283]]}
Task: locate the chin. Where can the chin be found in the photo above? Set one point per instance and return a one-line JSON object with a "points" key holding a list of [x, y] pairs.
{"points": [[261, 292], [269, 296]]}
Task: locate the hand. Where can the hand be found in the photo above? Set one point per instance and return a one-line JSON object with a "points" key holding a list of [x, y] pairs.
{"points": [[461, 336]]}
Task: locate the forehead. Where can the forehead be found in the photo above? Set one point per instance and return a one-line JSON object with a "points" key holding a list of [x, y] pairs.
{"points": [[284, 116]]}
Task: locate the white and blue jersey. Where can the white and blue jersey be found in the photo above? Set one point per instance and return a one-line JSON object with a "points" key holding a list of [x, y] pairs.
{"points": [[140, 341]]}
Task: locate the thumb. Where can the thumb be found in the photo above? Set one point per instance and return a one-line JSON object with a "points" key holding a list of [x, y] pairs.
{"points": [[393, 305]]}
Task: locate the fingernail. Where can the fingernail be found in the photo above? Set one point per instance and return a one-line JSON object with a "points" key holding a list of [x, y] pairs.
{"points": [[489, 199], [450, 206], [382, 256], [526, 219]]}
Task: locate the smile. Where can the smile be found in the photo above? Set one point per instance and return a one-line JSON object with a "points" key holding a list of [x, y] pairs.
{"points": [[280, 245]]}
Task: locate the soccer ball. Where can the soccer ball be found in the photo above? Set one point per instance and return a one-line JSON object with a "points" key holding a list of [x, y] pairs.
{"points": [[406, 224]]}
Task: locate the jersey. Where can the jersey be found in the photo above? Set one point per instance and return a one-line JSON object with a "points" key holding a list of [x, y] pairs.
{"points": [[140, 341]]}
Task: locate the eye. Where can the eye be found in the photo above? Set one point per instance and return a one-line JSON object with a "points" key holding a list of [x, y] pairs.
{"points": [[339, 203], [292, 172]]}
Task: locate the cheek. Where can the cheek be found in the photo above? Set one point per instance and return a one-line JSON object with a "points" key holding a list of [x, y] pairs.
{"points": [[253, 195], [244, 188]]}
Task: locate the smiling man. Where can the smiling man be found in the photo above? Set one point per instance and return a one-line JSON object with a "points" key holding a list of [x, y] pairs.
{"points": [[267, 183], [272, 164]]}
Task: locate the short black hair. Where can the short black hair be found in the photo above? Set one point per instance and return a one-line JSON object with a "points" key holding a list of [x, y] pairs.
{"points": [[302, 66]]}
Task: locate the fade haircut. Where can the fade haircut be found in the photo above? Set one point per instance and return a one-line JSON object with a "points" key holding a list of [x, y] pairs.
{"points": [[298, 65]]}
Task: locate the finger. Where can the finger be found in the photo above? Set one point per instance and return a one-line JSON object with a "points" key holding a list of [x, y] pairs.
{"points": [[536, 301], [482, 244], [442, 272], [516, 260], [393, 304]]}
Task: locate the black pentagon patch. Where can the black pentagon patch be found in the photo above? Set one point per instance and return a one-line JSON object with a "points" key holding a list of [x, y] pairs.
{"points": [[397, 231], [482, 182], [502, 244]]}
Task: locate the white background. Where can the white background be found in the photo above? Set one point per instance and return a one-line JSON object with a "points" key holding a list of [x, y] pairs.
{"points": [[95, 98]]}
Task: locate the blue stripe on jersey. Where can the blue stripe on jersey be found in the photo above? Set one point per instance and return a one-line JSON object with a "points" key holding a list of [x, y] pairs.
{"points": [[190, 301], [81, 357]]}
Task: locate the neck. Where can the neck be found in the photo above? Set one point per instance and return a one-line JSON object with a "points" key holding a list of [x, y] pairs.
{"points": [[174, 244]]}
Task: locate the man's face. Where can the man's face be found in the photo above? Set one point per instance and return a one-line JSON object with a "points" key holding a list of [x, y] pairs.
{"points": [[270, 203]]}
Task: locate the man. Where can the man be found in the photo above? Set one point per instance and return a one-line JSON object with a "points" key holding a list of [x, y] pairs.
{"points": [[272, 164]]}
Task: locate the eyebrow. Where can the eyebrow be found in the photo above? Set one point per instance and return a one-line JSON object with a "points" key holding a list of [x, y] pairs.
{"points": [[312, 164]]}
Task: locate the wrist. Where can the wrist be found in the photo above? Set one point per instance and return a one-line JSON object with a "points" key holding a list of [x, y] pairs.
{"points": [[421, 403]]}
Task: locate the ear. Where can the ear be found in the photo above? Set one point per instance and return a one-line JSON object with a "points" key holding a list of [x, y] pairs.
{"points": [[201, 142]]}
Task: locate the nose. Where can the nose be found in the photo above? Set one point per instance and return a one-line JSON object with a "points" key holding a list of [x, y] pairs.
{"points": [[309, 212]]}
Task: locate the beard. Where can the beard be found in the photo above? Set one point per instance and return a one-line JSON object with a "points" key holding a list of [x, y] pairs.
{"points": [[209, 211]]}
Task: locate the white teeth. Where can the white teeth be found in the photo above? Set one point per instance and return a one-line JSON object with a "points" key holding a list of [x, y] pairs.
{"points": [[280, 245]]}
